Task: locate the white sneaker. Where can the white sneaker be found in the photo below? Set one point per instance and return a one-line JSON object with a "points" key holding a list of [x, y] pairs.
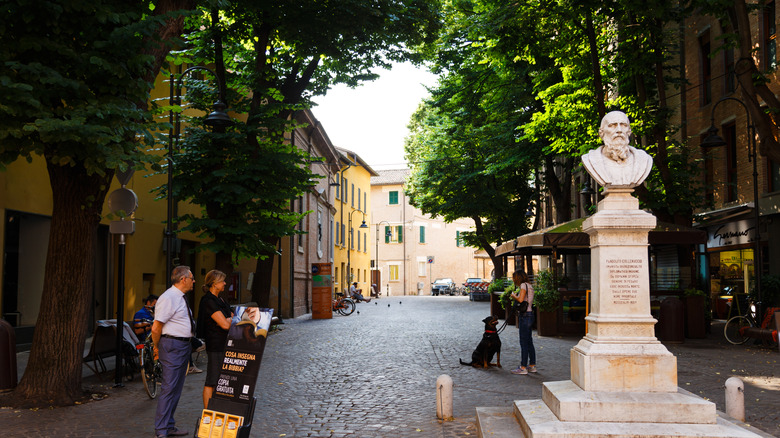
{"points": [[194, 370]]}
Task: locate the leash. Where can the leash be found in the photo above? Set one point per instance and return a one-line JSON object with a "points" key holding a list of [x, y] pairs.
{"points": [[502, 327]]}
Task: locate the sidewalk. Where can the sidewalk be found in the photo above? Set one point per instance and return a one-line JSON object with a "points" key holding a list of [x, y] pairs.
{"points": [[373, 374]]}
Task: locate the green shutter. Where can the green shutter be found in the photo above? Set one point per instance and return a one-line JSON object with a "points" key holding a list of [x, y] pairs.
{"points": [[387, 234], [400, 229], [393, 199], [422, 234], [457, 238]]}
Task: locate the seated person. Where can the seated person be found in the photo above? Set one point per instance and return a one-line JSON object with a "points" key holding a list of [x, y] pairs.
{"points": [[356, 293], [142, 320]]}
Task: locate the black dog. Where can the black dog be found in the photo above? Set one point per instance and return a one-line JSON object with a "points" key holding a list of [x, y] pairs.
{"points": [[489, 345]]}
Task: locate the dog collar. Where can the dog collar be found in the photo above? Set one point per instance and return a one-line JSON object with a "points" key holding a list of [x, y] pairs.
{"points": [[490, 331]]}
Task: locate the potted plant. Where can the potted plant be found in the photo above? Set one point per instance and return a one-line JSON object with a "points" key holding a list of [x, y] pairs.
{"points": [[696, 312], [507, 302], [547, 302], [495, 289], [771, 290]]}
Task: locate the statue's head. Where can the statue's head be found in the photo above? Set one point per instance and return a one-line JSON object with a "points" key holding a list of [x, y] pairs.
{"points": [[615, 132]]}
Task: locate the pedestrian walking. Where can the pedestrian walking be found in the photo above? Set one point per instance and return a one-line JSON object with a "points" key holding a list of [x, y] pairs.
{"points": [[172, 330], [214, 316], [525, 320]]}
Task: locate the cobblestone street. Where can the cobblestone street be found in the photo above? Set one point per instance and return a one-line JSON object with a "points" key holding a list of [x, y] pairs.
{"points": [[373, 374]]}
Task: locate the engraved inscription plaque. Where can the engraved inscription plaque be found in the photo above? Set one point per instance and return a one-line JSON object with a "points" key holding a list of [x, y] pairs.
{"points": [[624, 279]]}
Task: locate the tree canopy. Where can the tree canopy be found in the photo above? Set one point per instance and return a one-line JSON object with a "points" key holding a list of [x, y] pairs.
{"points": [[75, 78]]}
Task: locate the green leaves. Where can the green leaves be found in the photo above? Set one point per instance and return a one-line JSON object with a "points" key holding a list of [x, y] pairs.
{"points": [[72, 81]]}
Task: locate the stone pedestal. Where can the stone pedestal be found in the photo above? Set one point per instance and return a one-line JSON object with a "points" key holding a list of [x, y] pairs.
{"points": [[623, 380], [620, 351]]}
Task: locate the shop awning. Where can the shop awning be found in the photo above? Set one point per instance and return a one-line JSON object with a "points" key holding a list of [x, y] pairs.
{"points": [[569, 236], [723, 214]]}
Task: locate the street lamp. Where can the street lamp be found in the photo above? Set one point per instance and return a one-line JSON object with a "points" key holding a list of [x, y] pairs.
{"points": [[376, 254], [349, 247], [587, 193], [714, 140]]}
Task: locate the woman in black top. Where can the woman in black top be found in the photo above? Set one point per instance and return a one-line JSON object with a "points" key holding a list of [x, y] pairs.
{"points": [[213, 323]]}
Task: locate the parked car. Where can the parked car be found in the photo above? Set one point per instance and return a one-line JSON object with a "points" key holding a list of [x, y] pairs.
{"points": [[443, 286]]}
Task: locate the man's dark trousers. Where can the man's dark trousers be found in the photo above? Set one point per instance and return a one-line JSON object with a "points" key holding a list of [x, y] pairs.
{"points": [[174, 357]]}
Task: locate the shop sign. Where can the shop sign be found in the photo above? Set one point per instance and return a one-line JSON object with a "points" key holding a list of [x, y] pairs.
{"points": [[733, 233]]}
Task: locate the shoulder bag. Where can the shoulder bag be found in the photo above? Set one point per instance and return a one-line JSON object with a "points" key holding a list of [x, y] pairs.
{"points": [[522, 306]]}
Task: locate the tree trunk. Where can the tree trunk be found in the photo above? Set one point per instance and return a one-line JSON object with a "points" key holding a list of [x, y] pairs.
{"points": [[747, 72], [53, 373], [593, 51], [261, 285]]}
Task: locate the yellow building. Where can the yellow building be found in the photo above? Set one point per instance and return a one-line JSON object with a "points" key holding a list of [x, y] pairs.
{"points": [[352, 258]]}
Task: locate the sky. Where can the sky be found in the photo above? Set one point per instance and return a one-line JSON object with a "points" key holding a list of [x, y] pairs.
{"points": [[371, 119]]}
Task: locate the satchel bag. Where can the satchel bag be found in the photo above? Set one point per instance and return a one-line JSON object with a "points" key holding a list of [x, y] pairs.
{"points": [[522, 306]]}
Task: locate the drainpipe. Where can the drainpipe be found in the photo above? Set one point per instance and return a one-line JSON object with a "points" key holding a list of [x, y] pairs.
{"points": [[403, 227]]}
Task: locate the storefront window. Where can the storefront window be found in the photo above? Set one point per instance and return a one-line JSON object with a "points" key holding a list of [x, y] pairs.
{"points": [[731, 273]]}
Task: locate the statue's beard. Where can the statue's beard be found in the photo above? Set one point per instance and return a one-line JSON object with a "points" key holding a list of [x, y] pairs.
{"points": [[617, 149]]}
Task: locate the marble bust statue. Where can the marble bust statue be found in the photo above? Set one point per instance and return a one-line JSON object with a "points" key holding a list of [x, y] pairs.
{"points": [[617, 164]]}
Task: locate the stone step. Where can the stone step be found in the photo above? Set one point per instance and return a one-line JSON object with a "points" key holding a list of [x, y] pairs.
{"points": [[538, 421], [533, 419], [497, 422], [570, 403]]}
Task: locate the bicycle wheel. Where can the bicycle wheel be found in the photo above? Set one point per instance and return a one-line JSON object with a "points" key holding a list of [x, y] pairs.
{"points": [[346, 306], [148, 371], [735, 330]]}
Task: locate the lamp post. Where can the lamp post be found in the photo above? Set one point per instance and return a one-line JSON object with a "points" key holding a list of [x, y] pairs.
{"points": [[217, 119], [376, 254], [587, 193], [349, 248], [714, 140]]}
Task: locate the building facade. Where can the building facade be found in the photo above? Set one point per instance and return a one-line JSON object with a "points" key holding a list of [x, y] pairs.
{"points": [[352, 253], [412, 249], [741, 187]]}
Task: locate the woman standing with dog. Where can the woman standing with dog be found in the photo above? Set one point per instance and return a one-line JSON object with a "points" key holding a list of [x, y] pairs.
{"points": [[525, 319]]}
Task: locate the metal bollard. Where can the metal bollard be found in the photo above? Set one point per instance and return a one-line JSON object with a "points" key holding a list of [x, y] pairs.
{"points": [[444, 397], [735, 398]]}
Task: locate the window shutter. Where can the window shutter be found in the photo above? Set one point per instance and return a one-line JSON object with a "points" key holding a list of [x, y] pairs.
{"points": [[387, 234], [400, 229], [457, 238], [422, 234]]}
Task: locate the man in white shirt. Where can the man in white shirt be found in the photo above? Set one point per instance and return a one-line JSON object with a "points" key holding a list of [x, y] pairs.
{"points": [[172, 330]]}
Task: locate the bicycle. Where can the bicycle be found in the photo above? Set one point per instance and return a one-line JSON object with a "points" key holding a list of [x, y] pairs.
{"points": [[151, 370], [343, 305], [735, 327]]}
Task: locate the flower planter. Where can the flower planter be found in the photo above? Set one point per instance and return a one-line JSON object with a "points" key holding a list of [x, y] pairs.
{"points": [[547, 323], [511, 316], [695, 325]]}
